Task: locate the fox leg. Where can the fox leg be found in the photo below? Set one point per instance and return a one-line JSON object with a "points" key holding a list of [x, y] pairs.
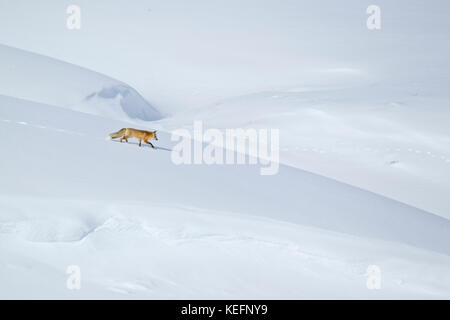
{"points": [[140, 140], [124, 138], [148, 142]]}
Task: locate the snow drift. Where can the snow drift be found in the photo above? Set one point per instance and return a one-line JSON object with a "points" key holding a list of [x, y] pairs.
{"points": [[42, 79]]}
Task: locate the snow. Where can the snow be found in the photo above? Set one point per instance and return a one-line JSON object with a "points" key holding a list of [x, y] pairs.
{"points": [[70, 197], [398, 150], [364, 160], [69, 86]]}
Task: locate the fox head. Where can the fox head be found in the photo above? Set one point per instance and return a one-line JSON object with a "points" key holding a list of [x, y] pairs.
{"points": [[154, 135]]}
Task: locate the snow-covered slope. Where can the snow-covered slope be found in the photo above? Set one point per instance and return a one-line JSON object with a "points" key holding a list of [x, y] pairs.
{"points": [[371, 136], [41, 79], [368, 108], [192, 54], [69, 195]]}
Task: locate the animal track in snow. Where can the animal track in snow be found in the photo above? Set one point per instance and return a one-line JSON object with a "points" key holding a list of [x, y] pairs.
{"points": [[303, 149], [371, 149], [44, 127]]}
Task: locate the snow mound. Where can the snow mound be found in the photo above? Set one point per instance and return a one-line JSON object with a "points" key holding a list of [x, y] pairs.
{"points": [[117, 101], [45, 80]]}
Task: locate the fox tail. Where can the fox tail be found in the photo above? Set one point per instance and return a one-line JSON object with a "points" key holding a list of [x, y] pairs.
{"points": [[117, 134]]}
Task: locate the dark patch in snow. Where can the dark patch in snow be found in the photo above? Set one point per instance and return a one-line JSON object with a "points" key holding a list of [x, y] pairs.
{"points": [[132, 103], [393, 162]]}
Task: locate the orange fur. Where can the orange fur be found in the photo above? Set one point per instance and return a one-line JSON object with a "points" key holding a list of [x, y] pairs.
{"points": [[142, 135]]}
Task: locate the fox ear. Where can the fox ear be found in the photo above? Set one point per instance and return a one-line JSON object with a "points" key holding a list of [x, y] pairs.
{"points": [[155, 131]]}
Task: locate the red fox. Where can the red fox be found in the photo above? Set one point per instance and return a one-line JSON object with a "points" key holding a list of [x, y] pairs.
{"points": [[126, 133]]}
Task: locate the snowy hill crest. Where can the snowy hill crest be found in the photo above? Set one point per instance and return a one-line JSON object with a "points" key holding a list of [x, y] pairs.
{"points": [[45, 80]]}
